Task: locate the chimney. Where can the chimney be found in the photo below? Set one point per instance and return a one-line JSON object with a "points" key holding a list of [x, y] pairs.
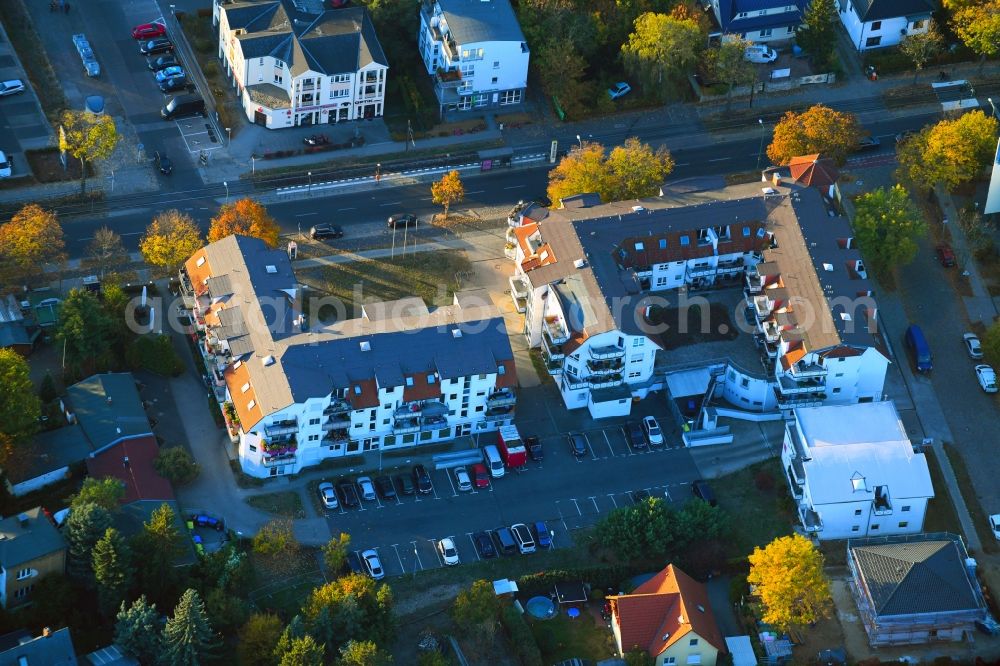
{"points": [[46, 632], [125, 462]]}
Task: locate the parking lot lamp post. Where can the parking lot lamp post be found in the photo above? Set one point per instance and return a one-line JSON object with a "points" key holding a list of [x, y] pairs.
{"points": [[992, 106], [416, 558], [310, 181], [579, 141], [225, 183], [760, 148], [253, 164], [229, 131]]}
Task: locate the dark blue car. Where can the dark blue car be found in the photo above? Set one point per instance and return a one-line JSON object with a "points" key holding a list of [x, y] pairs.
{"points": [[542, 536]]}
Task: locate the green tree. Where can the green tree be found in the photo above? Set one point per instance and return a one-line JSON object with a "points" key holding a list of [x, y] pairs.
{"points": [[85, 526], [257, 640], [47, 392], [922, 47], [977, 24], [226, 611], [887, 226], [112, 569], [563, 72], [156, 546], [275, 539], [730, 66], [303, 651], [376, 621], [661, 50], [817, 35], [104, 492], [87, 137], [335, 552], [638, 657], [991, 344], [176, 465], [644, 531], [476, 611], [951, 152], [818, 129], [19, 406], [363, 653], [295, 630], [137, 631], [188, 638], [432, 658], [790, 583], [84, 331]]}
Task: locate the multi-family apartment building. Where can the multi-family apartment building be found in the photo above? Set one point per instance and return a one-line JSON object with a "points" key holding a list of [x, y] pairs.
{"points": [[475, 51], [760, 21], [589, 275], [399, 375], [296, 68]]}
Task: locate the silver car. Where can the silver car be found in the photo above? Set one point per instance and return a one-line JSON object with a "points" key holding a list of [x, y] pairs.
{"points": [[373, 564], [463, 479], [328, 495], [11, 87], [367, 488]]}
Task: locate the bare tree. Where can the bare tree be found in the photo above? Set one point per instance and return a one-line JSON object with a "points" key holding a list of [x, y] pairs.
{"points": [[106, 251]]}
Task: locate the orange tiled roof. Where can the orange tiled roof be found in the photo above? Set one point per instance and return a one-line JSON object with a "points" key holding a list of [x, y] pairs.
{"points": [[236, 377], [841, 352], [652, 253], [793, 356], [368, 396], [198, 274], [813, 170]]}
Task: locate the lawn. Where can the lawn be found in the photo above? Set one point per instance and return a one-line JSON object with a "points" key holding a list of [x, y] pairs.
{"points": [[976, 512], [758, 503], [941, 516], [428, 275], [564, 638], [287, 504]]}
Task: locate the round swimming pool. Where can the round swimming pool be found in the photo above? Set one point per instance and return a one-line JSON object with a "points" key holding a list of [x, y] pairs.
{"points": [[541, 608]]}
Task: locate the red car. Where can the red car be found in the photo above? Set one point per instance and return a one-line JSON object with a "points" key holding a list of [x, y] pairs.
{"points": [[945, 255], [149, 31], [480, 476]]}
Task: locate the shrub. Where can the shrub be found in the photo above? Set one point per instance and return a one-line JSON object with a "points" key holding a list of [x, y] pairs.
{"points": [[156, 354], [176, 465], [522, 641], [599, 577], [210, 69]]}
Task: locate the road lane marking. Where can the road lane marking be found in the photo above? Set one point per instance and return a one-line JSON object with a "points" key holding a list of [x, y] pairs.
{"points": [[396, 203], [339, 210], [514, 187], [477, 192], [305, 214], [719, 159]]}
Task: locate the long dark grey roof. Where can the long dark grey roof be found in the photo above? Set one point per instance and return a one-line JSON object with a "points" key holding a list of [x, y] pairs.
{"points": [[472, 21], [108, 408], [50, 450], [19, 544], [879, 10], [56, 649]]}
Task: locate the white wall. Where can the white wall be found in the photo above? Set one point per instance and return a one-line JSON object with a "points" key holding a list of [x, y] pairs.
{"points": [[888, 31], [25, 487]]}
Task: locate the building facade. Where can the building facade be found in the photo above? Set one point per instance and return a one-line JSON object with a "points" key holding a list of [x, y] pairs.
{"points": [[875, 24], [760, 21], [292, 68], [31, 548], [476, 53]]}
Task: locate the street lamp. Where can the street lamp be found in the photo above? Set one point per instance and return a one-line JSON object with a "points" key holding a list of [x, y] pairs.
{"points": [[378, 172], [229, 131], [760, 148], [226, 185], [253, 163], [992, 105], [310, 181], [416, 559], [580, 141]]}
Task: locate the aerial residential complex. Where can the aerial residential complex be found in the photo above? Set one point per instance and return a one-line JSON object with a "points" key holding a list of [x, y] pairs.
{"points": [[398, 375]]}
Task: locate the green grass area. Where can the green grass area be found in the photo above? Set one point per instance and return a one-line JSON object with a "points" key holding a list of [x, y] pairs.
{"points": [[979, 518], [941, 516], [758, 503], [564, 638], [538, 363], [428, 275], [287, 504], [286, 600]]}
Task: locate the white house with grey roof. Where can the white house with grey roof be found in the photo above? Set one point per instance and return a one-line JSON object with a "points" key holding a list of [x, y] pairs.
{"points": [[294, 68], [853, 472], [875, 24], [475, 51], [399, 375]]}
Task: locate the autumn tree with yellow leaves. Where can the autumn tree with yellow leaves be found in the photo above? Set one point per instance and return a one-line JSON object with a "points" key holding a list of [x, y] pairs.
{"points": [[818, 129], [788, 578], [87, 137], [631, 171], [448, 190], [170, 239], [245, 217], [977, 24], [950, 152], [32, 238]]}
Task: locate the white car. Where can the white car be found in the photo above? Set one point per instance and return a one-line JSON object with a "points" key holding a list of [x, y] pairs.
{"points": [[760, 55], [652, 430], [328, 495], [11, 87], [972, 345], [449, 554], [987, 378], [995, 525], [367, 488], [5, 168], [373, 564], [522, 535], [462, 479], [620, 89]]}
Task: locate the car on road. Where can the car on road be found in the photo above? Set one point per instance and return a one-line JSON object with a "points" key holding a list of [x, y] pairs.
{"points": [[321, 231], [367, 488], [480, 475], [175, 85], [354, 563], [162, 62], [404, 484], [703, 491], [172, 72], [385, 488], [522, 535], [484, 545], [972, 345], [867, 143], [987, 378], [635, 435], [995, 525], [5, 166], [577, 444], [534, 446], [945, 255], [11, 87], [620, 89], [149, 31], [328, 495], [163, 163], [402, 220], [542, 535], [653, 432], [348, 493], [462, 479], [373, 564], [449, 554], [422, 480], [156, 46]]}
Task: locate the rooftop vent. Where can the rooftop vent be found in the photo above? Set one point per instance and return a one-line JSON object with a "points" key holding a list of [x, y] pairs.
{"points": [[456, 332], [580, 263], [366, 346], [271, 268], [268, 360], [828, 267], [23, 520]]}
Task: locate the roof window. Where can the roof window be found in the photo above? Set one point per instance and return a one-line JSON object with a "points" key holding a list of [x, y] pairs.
{"points": [[663, 243], [271, 268], [245, 387], [200, 262], [639, 247], [409, 381], [357, 389], [251, 404], [685, 240]]}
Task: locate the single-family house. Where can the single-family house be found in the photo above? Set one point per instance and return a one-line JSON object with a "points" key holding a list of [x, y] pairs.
{"points": [[52, 648], [853, 471], [874, 24], [31, 548], [48, 458], [760, 21], [16, 331], [670, 617], [915, 589]]}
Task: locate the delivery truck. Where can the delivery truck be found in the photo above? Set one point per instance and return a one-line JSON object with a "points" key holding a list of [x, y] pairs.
{"points": [[511, 447]]}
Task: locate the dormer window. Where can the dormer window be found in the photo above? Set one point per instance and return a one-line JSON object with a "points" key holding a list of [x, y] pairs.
{"points": [[200, 262], [639, 247], [357, 390], [858, 483], [501, 370], [685, 240], [663, 243], [431, 379], [409, 381]]}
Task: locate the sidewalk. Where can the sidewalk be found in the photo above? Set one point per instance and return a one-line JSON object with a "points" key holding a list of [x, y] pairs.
{"points": [[980, 306]]}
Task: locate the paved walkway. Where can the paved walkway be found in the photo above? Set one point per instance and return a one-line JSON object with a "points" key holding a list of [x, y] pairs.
{"points": [[980, 306]]}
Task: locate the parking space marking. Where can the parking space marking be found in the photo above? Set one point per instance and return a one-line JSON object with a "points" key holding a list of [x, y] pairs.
{"points": [[577, 507], [594, 500], [454, 493], [611, 495], [628, 444], [587, 439], [608, 441], [417, 555], [437, 552], [474, 549], [402, 567]]}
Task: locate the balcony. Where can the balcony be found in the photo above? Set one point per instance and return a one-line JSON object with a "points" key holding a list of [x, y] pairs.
{"points": [[450, 48], [769, 348], [606, 367], [336, 422], [803, 369], [770, 330], [795, 484], [271, 461], [554, 364], [550, 349], [519, 292], [337, 406], [281, 428], [789, 386], [499, 414], [763, 306], [335, 437], [609, 351], [700, 271], [574, 383], [731, 265], [504, 398], [555, 329], [421, 408], [402, 426], [799, 400], [448, 78], [810, 519], [606, 381]]}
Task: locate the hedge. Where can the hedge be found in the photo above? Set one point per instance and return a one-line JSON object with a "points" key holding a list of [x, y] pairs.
{"points": [[599, 577], [522, 641]]}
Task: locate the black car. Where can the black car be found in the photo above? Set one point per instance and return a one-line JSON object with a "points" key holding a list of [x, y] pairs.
{"points": [[354, 563], [163, 163], [402, 220], [174, 85], [404, 484], [383, 484], [703, 491], [867, 143], [534, 447], [155, 46], [422, 480], [321, 231], [484, 545], [635, 434], [164, 61], [348, 492], [577, 444]]}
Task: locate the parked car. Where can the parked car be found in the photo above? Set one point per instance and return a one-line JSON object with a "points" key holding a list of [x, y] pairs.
{"points": [[703, 491], [367, 488], [760, 54], [904, 135], [321, 231], [404, 484], [504, 540], [149, 31], [348, 494], [402, 220], [156, 46], [522, 536], [917, 344], [328, 495], [534, 446], [163, 163], [422, 480], [373, 564], [175, 85], [484, 545], [577, 444], [867, 143], [635, 435], [653, 433], [354, 563], [542, 535], [972, 345], [162, 62], [172, 72], [987, 378], [620, 89], [480, 475], [5, 166], [183, 106], [995, 525], [449, 554], [945, 255], [11, 87], [385, 488], [462, 479]]}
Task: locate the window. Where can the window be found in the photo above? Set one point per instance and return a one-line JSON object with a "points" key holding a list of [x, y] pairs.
{"points": [[510, 97], [639, 247], [906, 507], [744, 382], [876, 25], [313, 421], [855, 528], [340, 78], [480, 100], [313, 438], [468, 71], [385, 421], [872, 41], [766, 32], [790, 29], [357, 390], [245, 387], [277, 78], [496, 64], [919, 25], [251, 404], [741, 15], [260, 62], [746, 232], [693, 642], [874, 527], [685, 240], [638, 342], [23, 573], [431, 379], [253, 449], [634, 375], [857, 512], [904, 524], [836, 390], [278, 63], [337, 94], [501, 370]]}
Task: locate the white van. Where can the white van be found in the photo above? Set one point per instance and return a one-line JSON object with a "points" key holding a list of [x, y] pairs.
{"points": [[491, 456], [760, 54]]}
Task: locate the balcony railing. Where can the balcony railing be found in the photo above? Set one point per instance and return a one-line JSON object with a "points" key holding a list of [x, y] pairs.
{"points": [[501, 399], [574, 383], [605, 367], [808, 370], [553, 364], [337, 406], [335, 437], [555, 329], [800, 400], [810, 519], [609, 351], [451, 48], [699, 271], [499, 414], [336, 422], [281, 428], [519, 287], [421, 408], [789, 386], [407, 425], [604, 382], [271, 461]]}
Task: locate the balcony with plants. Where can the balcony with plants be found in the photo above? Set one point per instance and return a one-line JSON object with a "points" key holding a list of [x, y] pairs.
{"points": [[421, 408], [283, 427], [336, 437], [502, 398], [232, 419], [614, 366]]}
